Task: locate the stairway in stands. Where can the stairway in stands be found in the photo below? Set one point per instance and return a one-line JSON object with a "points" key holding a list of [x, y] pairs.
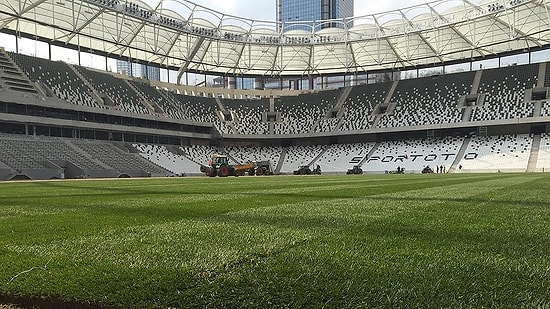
{"points": [[460, 155], [11, 76], [533, 157]]}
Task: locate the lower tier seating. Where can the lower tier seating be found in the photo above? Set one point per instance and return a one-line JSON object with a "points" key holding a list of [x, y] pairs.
{"points": [[413, 155], [503, 153]]}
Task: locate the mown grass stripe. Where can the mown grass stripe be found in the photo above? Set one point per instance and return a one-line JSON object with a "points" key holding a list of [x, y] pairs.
{"points": [[369, 241]]}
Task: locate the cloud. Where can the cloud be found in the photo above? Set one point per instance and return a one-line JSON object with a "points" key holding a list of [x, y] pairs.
{"points": [[252, 9], [373, 7]]}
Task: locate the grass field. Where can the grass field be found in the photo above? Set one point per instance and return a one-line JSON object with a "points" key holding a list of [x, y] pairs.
{"points": [[386, 241]]}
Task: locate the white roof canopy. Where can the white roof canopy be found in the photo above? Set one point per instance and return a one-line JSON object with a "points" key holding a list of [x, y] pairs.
{"points": [[181, 34]]}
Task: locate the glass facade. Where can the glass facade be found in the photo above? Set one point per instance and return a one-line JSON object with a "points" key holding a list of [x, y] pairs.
{"points": [[292, 11], [138, 70]]}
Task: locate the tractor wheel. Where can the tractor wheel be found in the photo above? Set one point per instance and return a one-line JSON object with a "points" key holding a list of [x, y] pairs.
{"points": [[259, 172], [212, 172], [223, 171]]}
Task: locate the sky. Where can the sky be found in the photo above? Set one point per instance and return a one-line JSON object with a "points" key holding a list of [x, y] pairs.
{"points": [[265, 9]]}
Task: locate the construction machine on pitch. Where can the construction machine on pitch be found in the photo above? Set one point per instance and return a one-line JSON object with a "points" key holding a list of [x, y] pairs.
{"points": [[219, 166], [261, 168], [355, 170]]}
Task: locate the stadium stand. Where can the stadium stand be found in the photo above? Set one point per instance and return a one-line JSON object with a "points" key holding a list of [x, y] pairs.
{"points": [[360, 104], [543, 161], [57, 77], [504, 92], [545, 109], [199, 154], [338, 158], [116, 125], [161, 104], [32, 151], [413, 155], [12, 78], [199, 109], [424, 101], [121, 159], [301, 113], [502, 153], [300, 155], [246, 154], [176, 163], [30, 154], [427, 101], [248, 115], [116, 90], [328, 124]]}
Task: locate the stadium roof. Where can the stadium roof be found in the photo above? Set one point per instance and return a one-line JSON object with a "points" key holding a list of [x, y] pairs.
{"points": [[181, 34]]}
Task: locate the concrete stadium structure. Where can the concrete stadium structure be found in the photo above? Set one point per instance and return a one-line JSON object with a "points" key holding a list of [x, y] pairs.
{"points": [[62, 120]]}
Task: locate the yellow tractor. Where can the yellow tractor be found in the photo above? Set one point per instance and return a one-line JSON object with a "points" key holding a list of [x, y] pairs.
{"points": [[219, 166]]}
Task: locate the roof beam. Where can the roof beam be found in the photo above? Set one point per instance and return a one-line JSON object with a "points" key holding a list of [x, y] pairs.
{"points": [[88, 22], [190, 56], [423, 38], [352, 55], [19, 14]]}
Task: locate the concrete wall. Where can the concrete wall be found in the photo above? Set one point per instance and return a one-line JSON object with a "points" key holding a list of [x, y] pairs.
{"points": [[5, 173], [44, 173]]}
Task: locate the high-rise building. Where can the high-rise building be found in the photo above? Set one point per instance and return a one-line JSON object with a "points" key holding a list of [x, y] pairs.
{"points": [[290, 11], [138, 70]]}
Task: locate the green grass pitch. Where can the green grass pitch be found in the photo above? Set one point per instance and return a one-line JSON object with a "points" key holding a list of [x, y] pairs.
{"points": [[385, 241]]}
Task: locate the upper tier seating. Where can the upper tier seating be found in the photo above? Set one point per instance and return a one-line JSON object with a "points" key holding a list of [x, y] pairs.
{"points": [[545, 110], [124, 98], [12, 78], [504, 90], [421, 101], [360, 104], [428, 100], [58, 77], [199, 109], [505, 153], [169, 108], [338, 158], [248, 115], [413, 155], [328, 124], [299, 114]]}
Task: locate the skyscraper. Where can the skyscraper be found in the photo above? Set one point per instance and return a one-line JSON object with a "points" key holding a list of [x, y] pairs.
{"points": [[289, 11], [138, 70]]}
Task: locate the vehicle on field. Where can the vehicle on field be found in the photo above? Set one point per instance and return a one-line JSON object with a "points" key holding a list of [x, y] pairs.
{"points": [[260, 168], [305, 170], [219, 166], [355, 170]]}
